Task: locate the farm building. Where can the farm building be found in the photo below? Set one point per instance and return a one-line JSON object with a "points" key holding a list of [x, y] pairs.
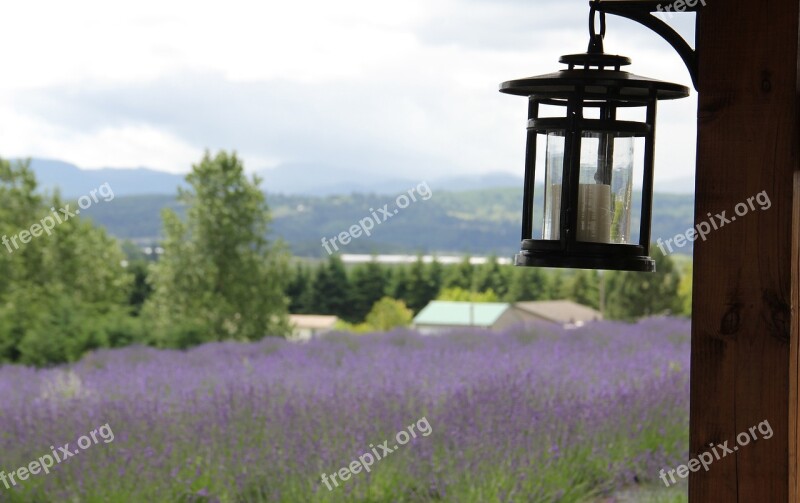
{"points": [[306, 326], [441, 315], [563, 312]]}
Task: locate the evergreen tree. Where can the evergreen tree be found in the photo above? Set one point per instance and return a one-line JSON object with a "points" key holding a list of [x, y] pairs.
{"points": [[459, 276], [526, 283], [632, 295], [398, 283], [421, 286], [370, 283], [332, 292], [491, 276], [300, 291], [435, 276], [141, 289], [555, 285], [583, 288]]}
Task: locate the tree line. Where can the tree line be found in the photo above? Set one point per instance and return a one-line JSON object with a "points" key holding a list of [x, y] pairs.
{"points": [[76, 290], [332, 288], [220, 277]]}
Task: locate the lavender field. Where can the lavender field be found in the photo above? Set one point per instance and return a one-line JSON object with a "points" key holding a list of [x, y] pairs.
{"points": [[535, 415]]}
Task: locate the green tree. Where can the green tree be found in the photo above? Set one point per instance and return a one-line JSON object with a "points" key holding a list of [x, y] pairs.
{"points": [[435, 275], [300, 290], [332, 292], [460, 275], [389, 313], [369, 284], [422, 287], [140, 289], [63, 287], [459, 294], [555, 285], [398, 283], [632, 295], [491, 276], [526, 283], [685, 292], [219, 277], [583, 288]]}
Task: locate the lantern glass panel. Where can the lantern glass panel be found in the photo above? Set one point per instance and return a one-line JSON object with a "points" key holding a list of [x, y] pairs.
{"points": [[554, 172], [638, 178], [605, 188], [537, 201]]}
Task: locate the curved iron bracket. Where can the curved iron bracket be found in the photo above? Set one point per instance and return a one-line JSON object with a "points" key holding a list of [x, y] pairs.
{"points": [[642, 11]]}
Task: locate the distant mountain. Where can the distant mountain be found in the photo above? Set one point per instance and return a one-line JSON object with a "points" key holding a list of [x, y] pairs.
{"points": [[300, 179], [74, 182], [289, 179], [476, 222], [476, 214], [317, 180], [478, 182], [684, 185]]}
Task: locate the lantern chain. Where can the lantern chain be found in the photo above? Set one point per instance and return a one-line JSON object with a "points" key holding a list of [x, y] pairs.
{"points": [[595, 38]]}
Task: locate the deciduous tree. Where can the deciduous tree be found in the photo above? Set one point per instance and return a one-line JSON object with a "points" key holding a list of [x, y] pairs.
{"points": [[61, 289], [219, 276]]}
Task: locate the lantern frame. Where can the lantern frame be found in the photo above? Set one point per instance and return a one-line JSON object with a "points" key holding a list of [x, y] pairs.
{"points": [[591, 80]]}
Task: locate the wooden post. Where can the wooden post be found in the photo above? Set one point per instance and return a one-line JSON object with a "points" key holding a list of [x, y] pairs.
{"points": [[746, 306]]}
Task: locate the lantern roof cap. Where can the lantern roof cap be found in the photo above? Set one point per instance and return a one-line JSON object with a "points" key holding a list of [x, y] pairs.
{"points": [[600, 59], [598, 78]]}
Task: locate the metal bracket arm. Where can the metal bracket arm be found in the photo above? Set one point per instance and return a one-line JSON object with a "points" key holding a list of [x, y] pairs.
{"points": [[642, 11]]}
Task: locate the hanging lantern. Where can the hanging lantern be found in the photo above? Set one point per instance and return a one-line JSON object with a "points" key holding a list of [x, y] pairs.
{"points": [[585, 154]]}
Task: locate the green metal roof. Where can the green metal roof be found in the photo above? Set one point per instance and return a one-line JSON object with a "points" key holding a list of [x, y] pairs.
{"points": [[442, 312]]}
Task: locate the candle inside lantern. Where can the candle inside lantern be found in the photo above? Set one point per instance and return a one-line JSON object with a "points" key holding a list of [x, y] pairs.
{"points": [[594, 213], [551, 225]]}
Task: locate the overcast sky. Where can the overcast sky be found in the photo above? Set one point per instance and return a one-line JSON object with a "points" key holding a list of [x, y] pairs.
{"points": [[370, 85]]}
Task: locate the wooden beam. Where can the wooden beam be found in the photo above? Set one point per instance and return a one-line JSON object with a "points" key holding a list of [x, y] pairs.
{"points": [[745, 328], [794, 353]]}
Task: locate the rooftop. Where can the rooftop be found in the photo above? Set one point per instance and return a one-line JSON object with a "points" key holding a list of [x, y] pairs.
{"points": [[560, 311], [442, 312]]}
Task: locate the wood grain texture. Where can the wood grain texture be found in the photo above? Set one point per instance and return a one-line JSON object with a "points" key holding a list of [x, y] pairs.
{"points": [[745, 327], [794, 365]]}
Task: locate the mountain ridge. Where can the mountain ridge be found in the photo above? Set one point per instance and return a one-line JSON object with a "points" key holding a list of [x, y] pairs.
{"points": [[479, 222], [288, 179]]}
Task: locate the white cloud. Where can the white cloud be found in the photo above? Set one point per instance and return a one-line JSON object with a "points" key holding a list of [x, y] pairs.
{"points": [[127, 146], [410, 87]]}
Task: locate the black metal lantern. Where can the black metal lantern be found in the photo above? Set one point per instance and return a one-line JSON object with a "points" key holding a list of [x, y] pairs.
{"points": [[586, 211]]}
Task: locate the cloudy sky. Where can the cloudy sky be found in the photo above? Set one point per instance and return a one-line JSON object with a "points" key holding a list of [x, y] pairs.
{"points": [[407, 87]]}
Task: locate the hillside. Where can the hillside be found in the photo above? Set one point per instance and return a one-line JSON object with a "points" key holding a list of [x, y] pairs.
{"points": [[476, 222], [293, 178]]}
